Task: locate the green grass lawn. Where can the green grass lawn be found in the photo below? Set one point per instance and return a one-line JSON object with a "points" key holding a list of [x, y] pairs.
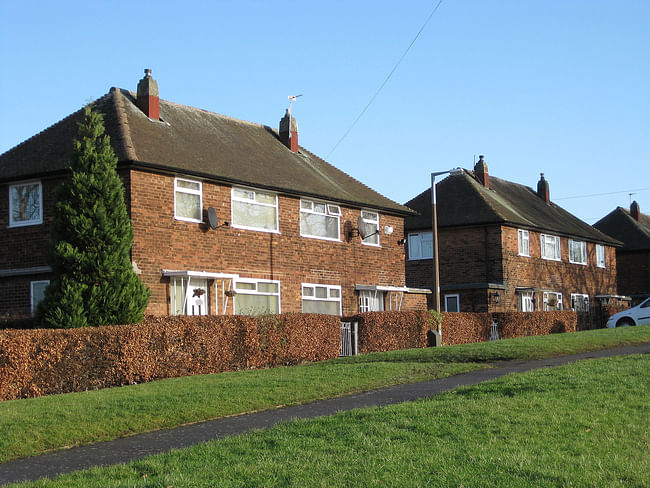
{"points": [[585, 424], [33, 426]]}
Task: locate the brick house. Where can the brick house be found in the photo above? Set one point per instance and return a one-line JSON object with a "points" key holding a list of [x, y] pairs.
{"points": [[505, 247], [632, 228], [228, 216]]}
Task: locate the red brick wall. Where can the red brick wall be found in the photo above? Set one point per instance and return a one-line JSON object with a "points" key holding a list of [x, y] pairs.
{"points": [[161, 242], [633, 273]]}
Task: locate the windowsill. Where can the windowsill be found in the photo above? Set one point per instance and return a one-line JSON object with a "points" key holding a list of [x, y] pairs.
{"points": [[192, 221], [371, 245], [581, 264], [552, 259], [24, 224], [255, 229], [419, 259], [330, 239], [524, 255]]}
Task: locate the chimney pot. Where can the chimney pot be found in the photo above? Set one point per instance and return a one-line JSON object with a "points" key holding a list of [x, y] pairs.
{"points": [[481, 172], [543, 189], [147, 99], [635, 211]]}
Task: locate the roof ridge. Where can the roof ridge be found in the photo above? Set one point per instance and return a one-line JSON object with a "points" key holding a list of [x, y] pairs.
{"points": [[123, 124]]}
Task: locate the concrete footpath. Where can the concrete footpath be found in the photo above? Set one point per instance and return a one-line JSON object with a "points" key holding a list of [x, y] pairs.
{"points": [[139, 446]]}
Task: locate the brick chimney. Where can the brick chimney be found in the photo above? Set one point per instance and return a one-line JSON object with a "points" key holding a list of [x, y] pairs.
{"points": [[148, 100], [481, 172], [289, 135], [542, 189], [635, 211]]}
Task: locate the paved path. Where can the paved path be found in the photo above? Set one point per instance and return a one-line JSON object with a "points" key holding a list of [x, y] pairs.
{"points": [[139, 446]]}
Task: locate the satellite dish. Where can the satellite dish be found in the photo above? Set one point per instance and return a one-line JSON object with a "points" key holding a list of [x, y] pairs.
{"points": [[361, 225], [212, 218]]}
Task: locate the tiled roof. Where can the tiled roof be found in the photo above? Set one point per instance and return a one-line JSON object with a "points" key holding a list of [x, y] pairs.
{"points": [[463, 201], [619, 224], [195, 142]]}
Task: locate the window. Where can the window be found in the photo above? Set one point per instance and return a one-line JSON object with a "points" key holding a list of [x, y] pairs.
{"points": [[452, 303], [257, 297], [189, 296], [552, 301], [421, 245], [37, 292], [550, 247], [526, 301], [371, 227], [371, 301], [187, 200], [254, 210], [580, 302], [524, 242], [324, 299], [25, 204], [321, 220], [600, 255], [577, 252]]}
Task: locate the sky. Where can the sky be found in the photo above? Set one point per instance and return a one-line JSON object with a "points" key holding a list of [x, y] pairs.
{"points": [[560, 87]]}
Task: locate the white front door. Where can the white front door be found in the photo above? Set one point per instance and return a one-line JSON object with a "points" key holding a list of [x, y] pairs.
{"points": [[196, 297]]}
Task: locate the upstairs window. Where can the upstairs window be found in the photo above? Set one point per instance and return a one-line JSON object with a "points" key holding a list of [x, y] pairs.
{"points": [[600, 256], [577, 252], [25, 204], [524, 242], [421, 245], [254, 210], [325, 299], [188, 200], [371, 227], [550, 247], [320, 220]]}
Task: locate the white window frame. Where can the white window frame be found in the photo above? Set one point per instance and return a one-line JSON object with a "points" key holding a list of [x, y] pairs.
{"points": [[368, 298], [526, 301], [558, 296], [600, 256], [572, 254], [234, 198], [523, 242], [189, 191], [415, 241], [23, 223], [452, 296], [33, 304], [256, 291], [368, 222], [579, 295], [331, 210], [329, 298], [556, 247]]}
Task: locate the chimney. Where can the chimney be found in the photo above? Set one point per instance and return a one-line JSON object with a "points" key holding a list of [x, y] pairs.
{"points": [[635, 211], [289, 135], [481, 172], [543, 190], [148, 100]]}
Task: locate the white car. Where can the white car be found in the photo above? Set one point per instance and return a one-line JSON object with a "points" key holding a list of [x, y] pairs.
{"points": [[639, 315]]}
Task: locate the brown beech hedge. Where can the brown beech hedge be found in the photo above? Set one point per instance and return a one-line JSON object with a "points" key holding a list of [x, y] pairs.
{"points": [[45, 361], [388, 331]]}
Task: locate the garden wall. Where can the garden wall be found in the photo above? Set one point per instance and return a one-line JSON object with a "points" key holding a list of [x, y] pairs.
{"points": [[46, 361]]}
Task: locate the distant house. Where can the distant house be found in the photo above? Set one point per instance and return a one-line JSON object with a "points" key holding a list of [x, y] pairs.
{"points": [[632, 228], [506, 247], [228, 216]]}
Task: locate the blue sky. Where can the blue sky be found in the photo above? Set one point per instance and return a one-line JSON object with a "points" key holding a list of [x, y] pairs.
{"points": [[560, 87]]}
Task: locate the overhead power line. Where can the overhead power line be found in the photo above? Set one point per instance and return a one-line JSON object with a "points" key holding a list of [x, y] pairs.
{"points": [[601, 194], [386, 80]]}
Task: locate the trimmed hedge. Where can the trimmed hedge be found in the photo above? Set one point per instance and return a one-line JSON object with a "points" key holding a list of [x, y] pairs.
{"points": [[465, 328], [388, 331], [46, 361]]}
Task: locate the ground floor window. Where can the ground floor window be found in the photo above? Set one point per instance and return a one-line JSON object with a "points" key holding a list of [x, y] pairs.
{"points": [[452, 303], [257, 297], [189, 296], [552, 301], [371, 301], [37, 292], [580, 302], [324, 299], [526, 301]]}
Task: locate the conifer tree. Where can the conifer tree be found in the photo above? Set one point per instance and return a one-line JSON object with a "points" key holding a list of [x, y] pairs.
{"points": [[94, 281]]}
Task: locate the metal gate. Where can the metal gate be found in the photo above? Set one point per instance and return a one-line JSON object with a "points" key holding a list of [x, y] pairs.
{"points": [[349, 341]]}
